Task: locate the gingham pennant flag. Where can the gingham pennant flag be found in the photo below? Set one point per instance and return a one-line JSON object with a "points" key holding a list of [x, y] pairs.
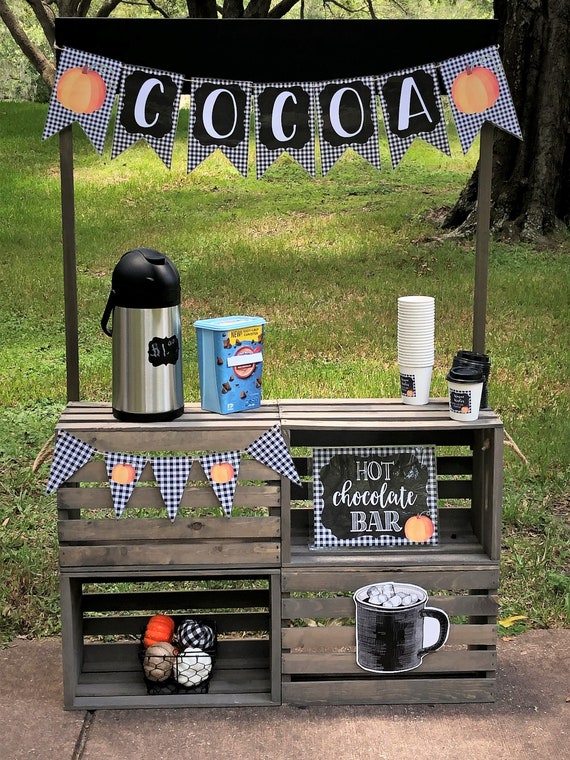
{"points": [[411, 104], [149, 104], [123, 471], [284, 122], [270, 449], [222, 470], [347, 119], [69, 455], [84, 91], [478, 92], [171, 475], [219, 118]]}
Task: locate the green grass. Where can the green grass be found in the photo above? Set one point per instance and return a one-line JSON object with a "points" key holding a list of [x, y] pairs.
{"points": [[323, 261]]}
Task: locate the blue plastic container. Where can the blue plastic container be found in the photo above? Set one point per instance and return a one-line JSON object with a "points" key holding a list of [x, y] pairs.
{"points": [[230, 363]]}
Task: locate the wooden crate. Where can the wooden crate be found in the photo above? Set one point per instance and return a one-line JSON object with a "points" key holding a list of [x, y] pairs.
{"points": [[91, 539], [300, 640], [104, 616], [461, 573], [319, 638]]}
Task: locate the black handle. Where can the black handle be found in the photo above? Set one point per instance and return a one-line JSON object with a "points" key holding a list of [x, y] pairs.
{"points": [[107, 314]]}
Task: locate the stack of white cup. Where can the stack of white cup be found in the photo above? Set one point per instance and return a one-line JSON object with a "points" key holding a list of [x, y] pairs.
{"points": [[416, 347]]}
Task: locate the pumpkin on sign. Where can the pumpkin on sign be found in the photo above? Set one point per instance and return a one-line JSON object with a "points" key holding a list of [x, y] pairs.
{"points": [[475, 90], [81, 90]]}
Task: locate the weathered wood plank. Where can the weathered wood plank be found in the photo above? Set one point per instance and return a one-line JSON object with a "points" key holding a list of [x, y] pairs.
{"points": [[343, 606], [386, 691], [148, 498], [175, 602], [445, 661], [95, 472], [446, 578], [227, 553], [127, 625], [339, 636], [162, 530]]}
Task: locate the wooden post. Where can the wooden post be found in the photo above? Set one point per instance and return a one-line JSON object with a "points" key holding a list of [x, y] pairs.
{"points": [[482, 236], [69, 264]]}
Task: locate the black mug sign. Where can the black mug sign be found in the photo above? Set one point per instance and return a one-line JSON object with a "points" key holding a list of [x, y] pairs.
{"points": [[375, 497]]}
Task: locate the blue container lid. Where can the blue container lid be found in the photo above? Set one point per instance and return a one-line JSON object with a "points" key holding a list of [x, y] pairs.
{"points": [[229, 323]]}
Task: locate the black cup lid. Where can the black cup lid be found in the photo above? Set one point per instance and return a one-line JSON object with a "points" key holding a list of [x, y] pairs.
{"points": [[465, 375], [145, 279], [473, 356]]}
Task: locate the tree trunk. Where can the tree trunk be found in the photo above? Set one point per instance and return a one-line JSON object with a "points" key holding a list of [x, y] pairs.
{"points": [[531, 179]]}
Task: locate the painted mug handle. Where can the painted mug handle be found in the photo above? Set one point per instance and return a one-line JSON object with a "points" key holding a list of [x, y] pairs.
{"points": [[443, 621]]}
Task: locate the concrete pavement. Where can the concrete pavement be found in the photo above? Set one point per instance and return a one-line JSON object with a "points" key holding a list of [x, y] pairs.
{"points": [[530, 718]]}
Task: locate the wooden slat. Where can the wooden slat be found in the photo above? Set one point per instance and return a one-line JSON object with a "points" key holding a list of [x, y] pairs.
{"points": [[343, 606], [458, 578], [386, 691], [157, 530], [445, 661], [339, 636], [127, 625], [175, 600], [148, 498], [96, 472], [205, 553]]}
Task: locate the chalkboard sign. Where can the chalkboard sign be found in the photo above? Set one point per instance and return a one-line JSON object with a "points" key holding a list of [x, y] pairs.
{"points": [[375, 496]]}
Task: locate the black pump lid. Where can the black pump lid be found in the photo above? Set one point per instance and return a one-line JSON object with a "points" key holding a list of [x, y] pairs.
{"points": [[145, 279]]}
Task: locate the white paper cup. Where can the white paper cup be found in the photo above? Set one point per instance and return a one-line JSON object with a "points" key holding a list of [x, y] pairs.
{"points": [[411, 301], [415, 383], [465, 388]]}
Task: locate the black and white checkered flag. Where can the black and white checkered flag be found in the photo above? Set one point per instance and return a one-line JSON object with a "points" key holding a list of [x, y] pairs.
{"points": [[69, 455], [411, 104], [271, 450], [84, 91], [478, 92], [222, 471], [171, 475], [219, 118], [348, 118], [149, 104], [123, 471], [284, 123]]}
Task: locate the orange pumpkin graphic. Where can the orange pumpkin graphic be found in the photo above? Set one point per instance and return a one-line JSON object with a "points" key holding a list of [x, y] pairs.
{"points": [[81, 89], [419, 528], [475, 90], [222, 472], [123, 473]]}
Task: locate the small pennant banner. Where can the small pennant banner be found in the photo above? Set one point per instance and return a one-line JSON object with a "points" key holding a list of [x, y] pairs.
{"points": [[271, 450], [84, 91], [284, 123], [219, 118], [411, 104], [478, 92], [171, 474], [148, 109], [222, 470], [348, 119], [123, 471], [69, 455]]}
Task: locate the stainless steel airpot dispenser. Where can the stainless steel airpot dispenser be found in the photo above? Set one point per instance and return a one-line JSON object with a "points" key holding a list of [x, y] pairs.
{"points": [[147, 349]]}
